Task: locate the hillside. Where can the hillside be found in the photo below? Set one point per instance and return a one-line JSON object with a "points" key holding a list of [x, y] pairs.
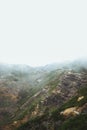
{"points": [[44, 98], [71, 115]]}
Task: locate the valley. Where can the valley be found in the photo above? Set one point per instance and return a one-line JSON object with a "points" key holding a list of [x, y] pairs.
{"points": [[52, 97]]}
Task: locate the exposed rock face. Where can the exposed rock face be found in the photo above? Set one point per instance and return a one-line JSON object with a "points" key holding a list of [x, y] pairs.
{"points": [[69, 111], [80, 98], [69, 83]]}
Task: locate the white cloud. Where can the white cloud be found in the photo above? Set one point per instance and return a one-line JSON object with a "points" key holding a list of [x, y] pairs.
{"points": [[40, 32]]}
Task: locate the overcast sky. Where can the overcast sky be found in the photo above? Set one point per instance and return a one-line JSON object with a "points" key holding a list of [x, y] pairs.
{"points": [[38, 32]]}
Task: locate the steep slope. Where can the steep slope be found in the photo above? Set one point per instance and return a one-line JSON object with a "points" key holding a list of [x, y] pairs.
{"points": [[47, 113], [36, 98], [17, 84], [71, 115]]}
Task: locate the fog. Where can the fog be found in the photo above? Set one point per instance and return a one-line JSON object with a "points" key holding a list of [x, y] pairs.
{"points": [[42, 32]]}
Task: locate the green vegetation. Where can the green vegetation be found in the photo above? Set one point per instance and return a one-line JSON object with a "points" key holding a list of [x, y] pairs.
{"points": [[75, 123], [78, 122], [37, 96], [73, 101]]}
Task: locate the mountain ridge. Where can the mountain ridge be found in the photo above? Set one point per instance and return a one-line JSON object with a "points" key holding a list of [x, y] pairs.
{"points": [[25, 95]]}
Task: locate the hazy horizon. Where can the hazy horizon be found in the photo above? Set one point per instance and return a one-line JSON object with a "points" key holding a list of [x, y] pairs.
{"points": [[37, 33]]}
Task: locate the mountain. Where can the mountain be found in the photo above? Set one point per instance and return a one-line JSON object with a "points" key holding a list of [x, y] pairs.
{"points": [[51, 97]]}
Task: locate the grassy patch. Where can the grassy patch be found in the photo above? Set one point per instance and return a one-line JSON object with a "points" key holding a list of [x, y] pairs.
{"points": [[76, 123]]}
